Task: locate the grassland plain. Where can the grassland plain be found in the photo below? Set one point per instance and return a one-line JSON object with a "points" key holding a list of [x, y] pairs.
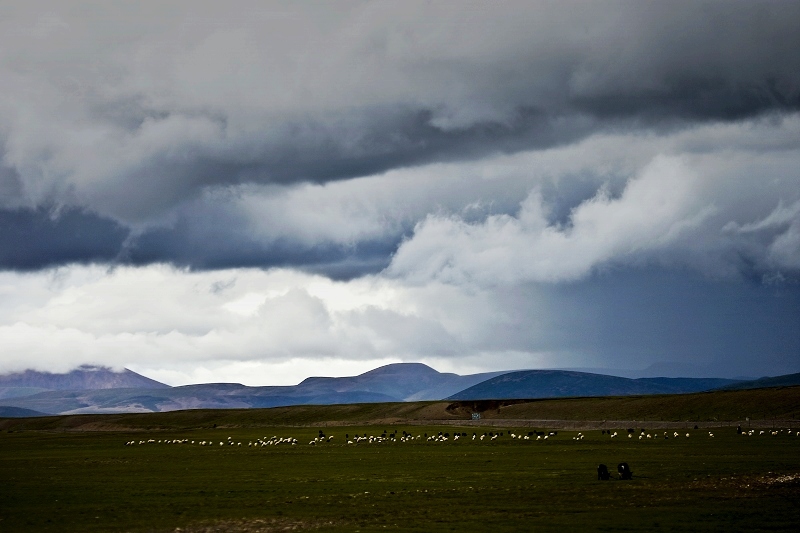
{"points": [[57, 480]]}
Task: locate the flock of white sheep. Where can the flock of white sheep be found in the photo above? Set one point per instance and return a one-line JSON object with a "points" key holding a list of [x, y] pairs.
{"points": [[274, 441], [437, 438]]}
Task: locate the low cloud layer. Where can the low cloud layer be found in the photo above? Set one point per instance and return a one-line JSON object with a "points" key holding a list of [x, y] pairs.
{"points": [[177, 181], [279, 326]]}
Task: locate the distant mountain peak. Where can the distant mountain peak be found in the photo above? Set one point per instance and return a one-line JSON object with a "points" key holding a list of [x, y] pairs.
{"points": [[82, 378], [402, 368]]}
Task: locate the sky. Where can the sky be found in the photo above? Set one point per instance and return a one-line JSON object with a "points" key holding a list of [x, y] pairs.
{"points": [[257, 192]]}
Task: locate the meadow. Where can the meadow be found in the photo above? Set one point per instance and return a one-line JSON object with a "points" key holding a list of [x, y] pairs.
{"points": [[57, 480]]}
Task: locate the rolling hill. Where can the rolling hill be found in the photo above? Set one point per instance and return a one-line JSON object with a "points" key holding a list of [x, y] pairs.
{"points": [[18, 412], [788, 380], [564, 383]]}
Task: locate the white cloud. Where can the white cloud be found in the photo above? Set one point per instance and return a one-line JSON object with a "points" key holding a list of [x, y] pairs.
{"points": [[186, 323], [653, 211]]}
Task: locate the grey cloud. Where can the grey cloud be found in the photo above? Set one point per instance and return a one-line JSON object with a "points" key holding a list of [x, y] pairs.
{"points": [[132, 116], [185, 246], [38, 239], [35, 239], [251, 95]]}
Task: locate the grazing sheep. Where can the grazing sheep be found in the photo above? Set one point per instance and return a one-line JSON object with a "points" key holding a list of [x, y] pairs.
{"points": [[602, 473], [624, 471]]}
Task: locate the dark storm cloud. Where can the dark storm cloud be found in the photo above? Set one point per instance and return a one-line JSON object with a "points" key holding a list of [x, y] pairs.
{"points": [[133, 116], [35, 239], [319, 151], [186, 247]]}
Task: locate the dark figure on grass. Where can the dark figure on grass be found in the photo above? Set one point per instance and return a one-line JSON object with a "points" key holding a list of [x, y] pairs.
{"points": [[602, 473], [624, 471]]}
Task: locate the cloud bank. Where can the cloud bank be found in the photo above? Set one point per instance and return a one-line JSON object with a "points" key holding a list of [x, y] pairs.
{"points": [[427, 160]]}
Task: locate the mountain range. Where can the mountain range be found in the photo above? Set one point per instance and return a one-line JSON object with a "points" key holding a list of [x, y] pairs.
{"points": [[101, 390]]}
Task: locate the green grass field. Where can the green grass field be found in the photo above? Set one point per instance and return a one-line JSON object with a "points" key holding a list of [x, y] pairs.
{"points": [[91, 481]]}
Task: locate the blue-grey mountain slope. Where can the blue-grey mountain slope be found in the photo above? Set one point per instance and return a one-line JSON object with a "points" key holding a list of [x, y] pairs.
{"points": [[563, 383], [18, 412], [390, 383], [787, 380], [82, 378]]}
